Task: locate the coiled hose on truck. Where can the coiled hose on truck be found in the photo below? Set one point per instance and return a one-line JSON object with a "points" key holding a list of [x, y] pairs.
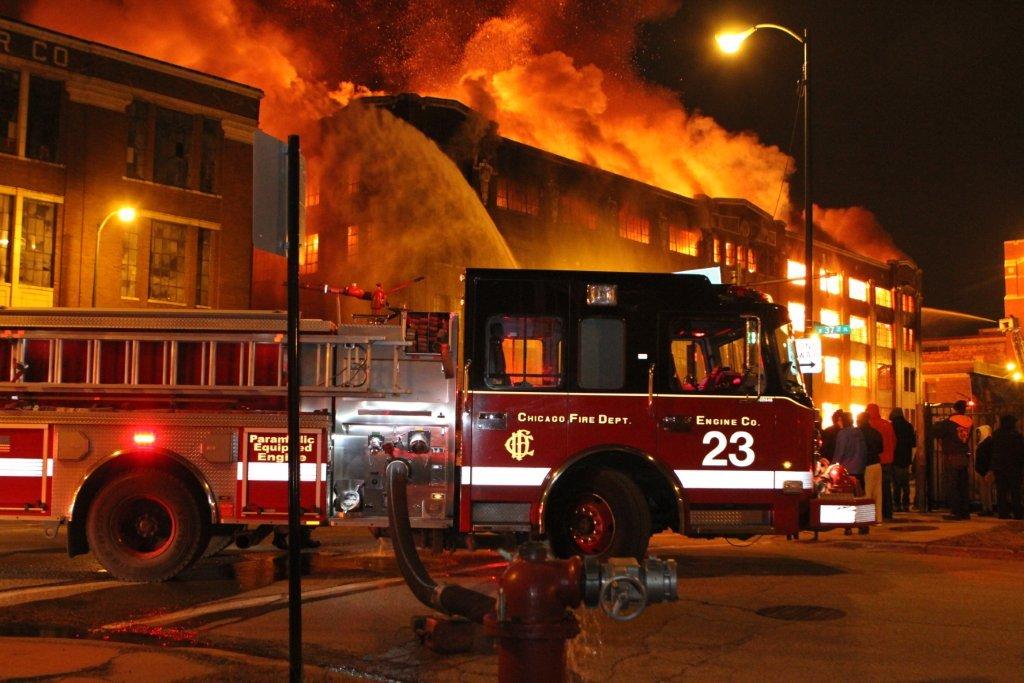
{"points": [[452, 599]]}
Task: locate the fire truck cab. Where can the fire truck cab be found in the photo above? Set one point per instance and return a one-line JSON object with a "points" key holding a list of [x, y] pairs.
{"points": [[597, 408]]}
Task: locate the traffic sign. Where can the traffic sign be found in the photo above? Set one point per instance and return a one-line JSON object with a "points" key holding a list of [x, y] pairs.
{"points": [[808, 354]]}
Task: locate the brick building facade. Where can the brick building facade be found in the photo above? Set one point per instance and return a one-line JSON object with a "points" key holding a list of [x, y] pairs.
{"points": [[86, 129], [554, 212]]}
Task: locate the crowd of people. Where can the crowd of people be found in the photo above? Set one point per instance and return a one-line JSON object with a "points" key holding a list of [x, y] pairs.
{"points": [[879, 453]]}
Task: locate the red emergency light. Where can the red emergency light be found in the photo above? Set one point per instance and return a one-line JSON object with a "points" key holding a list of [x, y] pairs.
{"points": [[144, 438]]}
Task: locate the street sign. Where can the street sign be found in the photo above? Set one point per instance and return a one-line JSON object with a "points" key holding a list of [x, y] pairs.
{"points": [[831, 329], [808, 355], [270, 194]]}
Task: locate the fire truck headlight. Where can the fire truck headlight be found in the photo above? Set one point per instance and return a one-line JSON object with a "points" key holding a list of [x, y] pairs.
{"points": [[349, 500]]}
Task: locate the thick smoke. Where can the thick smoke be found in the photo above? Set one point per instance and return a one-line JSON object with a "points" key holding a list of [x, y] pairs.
{"points": [[557, 75]]}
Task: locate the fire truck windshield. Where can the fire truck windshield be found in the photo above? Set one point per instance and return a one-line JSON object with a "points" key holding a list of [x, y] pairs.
{"points": [[784, 349]]}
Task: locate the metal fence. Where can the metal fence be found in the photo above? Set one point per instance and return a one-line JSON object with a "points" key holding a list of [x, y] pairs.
{"points": [[934, 479]]}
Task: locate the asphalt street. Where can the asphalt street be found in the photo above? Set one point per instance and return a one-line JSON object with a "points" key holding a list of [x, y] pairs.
{"points": [[873, 608]]}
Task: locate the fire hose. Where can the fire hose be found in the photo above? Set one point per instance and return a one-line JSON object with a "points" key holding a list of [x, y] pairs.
{"points": [[451, 599]]}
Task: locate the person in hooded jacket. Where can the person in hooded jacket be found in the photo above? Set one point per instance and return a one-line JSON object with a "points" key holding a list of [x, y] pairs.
{"points": [[884, 428], [902, 459], [1008, 465]]}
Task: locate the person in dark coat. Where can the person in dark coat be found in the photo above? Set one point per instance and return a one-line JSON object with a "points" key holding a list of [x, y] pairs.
{"points": [[873, 447], [903, 458], [850, 450], [954, 435], [1008, 464], [828, 436]]}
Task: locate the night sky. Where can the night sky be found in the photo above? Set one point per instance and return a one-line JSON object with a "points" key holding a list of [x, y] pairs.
{"points": [[917, 114]]}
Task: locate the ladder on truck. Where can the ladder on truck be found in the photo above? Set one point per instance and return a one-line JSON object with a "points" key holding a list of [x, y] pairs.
{"points": [[90, 354]]}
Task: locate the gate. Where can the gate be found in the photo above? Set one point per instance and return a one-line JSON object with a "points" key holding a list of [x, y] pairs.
{"points": [[935, 474]]}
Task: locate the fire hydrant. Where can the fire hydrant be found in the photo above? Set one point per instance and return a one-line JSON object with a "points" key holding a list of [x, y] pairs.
{"points": [[533, 621]]}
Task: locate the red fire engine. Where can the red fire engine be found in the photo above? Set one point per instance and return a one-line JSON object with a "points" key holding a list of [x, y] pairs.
{"points": [[595, 408]]}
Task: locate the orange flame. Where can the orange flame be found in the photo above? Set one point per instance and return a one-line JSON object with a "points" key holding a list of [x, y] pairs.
{"points": [[556, 75]]}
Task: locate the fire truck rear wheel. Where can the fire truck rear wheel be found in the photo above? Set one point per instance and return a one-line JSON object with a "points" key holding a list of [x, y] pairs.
{"points": [[604, 515], [145, 526]]}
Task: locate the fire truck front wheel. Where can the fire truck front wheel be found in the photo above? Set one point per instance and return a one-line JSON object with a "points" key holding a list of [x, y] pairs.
{"points": [[145, 526], [604, 515]]}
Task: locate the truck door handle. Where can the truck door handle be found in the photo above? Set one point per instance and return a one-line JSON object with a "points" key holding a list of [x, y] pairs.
{"points": [[676, 423], [492, 420]]}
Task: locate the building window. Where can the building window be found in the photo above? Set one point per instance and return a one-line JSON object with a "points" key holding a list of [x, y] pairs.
{"points": [[173, 139], [209, 150], [907, 303], [43, 119], [752, 260], [830, 369], [883, 297], [858, 290], [633, 226], [827, 409], [717, 255], [309, 257], [730, 253], [129, 260], [10, 93], [577, 211], [352, 241], [37, 234], [167, 263], [6, 230], [858, 373], [830, 318], [858, 329], [683, 241], [517, 197], [796, 272], [910, 379], [883, 335], [908, 339], [796, 315], [830, 284], [204, 266], [138, 154]]}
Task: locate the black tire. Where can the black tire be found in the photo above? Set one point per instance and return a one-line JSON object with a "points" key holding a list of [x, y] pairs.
{"points": [[603, 515], [145, 526]]}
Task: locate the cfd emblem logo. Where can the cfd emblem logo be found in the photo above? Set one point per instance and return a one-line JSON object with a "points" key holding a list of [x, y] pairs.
{"points": [[518, 445]]}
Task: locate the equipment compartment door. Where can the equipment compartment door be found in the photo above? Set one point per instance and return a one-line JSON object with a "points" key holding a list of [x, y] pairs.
{"points": [[26, 471], [263, 473]]}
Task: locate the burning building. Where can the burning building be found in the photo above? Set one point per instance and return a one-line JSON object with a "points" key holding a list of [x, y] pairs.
{"points": [[87, 129], [423, 186]]}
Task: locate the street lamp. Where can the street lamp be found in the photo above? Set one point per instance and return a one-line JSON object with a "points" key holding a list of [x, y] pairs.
{"points": [[730, 43], [125, 214]]}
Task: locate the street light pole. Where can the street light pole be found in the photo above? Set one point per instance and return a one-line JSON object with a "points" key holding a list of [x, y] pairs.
{"points": [[125, 214], [731, 42], [808, 210]]}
